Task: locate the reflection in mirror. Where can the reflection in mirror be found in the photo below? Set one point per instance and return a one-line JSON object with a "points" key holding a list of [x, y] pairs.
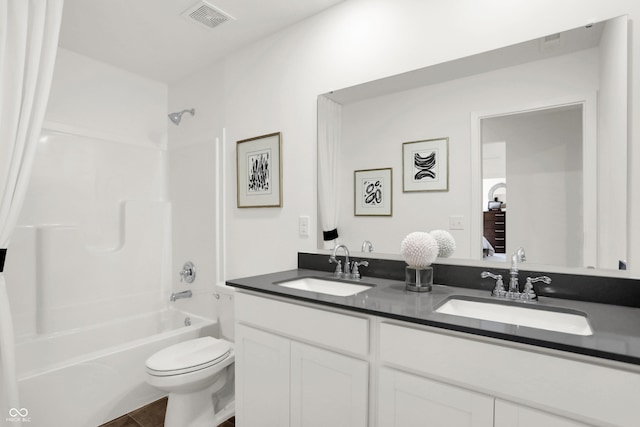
{"points": [[461, 99], [539, 155]]}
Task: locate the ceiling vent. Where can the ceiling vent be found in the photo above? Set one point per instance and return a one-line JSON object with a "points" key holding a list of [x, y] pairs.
{"points": [[207, 15]]}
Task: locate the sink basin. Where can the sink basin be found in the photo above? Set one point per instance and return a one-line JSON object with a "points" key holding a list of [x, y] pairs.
{"points": [[325, 286], [530, 316]]}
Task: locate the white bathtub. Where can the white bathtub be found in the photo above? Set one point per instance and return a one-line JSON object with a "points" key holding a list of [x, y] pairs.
{"points": [[91, 375]]}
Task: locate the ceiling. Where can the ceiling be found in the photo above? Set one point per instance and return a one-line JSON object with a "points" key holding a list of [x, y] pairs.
{"points": [[151, 38]]}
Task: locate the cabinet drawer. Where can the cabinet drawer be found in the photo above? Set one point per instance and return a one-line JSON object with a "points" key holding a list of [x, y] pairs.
{"points": [[495, 215], [571, 388], [334, 330]]}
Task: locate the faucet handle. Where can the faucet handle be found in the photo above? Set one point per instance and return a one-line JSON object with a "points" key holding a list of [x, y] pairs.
{"points": [[355, 273], [545, 279], [188, 272], [486, 274], [529, 292], [338, 271], [498, 290]]}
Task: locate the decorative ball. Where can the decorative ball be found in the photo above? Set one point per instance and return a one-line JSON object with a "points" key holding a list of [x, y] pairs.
{"points": [[419, 249], [446, 243]]}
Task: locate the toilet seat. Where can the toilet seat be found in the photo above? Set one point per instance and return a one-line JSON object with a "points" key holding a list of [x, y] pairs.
{"points": [[188, 356]]}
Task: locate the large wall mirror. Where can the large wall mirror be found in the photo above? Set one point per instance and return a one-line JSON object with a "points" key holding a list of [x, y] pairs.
{"points": [[536, 152]]}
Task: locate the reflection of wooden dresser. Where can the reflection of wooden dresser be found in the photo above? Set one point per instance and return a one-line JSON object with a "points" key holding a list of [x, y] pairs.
{"points": [[495, 229]]}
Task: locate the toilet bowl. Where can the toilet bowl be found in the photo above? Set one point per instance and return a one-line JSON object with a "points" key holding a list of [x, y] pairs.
{"points": [[192, 372]]}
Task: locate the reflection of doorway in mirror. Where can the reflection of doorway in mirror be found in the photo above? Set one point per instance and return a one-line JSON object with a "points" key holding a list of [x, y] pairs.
{"points": [[494, 170], [539, 153]]}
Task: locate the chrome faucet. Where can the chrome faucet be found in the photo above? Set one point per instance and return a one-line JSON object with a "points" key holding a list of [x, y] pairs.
{"points": [[518, 256], [347, 263], [180, 295], [528, 293], [367, 246]]}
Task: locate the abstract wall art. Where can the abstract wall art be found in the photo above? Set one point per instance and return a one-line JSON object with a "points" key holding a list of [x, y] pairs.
{"points": [[373, 192], [259, 166], [425, 165]]}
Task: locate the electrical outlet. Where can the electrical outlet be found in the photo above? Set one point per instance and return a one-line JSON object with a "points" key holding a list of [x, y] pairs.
{"points": [[456, 222], [303, 226]]}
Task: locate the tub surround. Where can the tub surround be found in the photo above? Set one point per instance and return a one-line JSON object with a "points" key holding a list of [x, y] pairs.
{"points": [[615, 335]]}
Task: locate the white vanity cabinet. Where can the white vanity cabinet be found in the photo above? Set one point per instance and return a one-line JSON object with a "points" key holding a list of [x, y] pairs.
{"points": [[299, 366], [408, 400], [262, 378], [511, 415], [566, 392]]}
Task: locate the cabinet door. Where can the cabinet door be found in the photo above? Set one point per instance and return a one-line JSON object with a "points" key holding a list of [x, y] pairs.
{"points": [[262, 378], [407, 400], [327, 389], [512, 415]]}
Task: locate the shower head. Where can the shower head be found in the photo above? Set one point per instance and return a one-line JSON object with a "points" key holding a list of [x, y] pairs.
{"points": [[176, 117]]}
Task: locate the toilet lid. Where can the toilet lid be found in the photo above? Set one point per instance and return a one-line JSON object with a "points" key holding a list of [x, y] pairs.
{"points": [[188, 356]]}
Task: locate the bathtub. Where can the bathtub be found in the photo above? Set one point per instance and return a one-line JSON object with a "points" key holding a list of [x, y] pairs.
{"points": [[88, 376]]}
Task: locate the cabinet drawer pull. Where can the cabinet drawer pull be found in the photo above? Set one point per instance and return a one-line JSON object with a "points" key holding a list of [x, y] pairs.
{"points": [[499, 238], [500, 215], [499, 223], [499, 231]]}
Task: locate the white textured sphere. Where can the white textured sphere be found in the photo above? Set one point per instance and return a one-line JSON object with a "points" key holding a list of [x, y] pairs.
{"points": [[446, 242], [419, 249]]}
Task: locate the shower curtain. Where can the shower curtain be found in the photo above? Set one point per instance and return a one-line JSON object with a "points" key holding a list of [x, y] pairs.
{"points": [[29, 32], [329, 137]]}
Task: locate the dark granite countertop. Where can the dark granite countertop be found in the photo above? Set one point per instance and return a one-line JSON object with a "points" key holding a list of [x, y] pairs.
{"points": [[616, 329]]}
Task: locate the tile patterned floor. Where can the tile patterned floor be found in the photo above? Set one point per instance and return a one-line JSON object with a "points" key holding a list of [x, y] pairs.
{"points": [[151, 415]]}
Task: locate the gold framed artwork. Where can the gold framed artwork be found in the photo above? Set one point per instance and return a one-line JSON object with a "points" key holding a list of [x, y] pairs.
{"points": [[425, 165], [259, 171], [373, 192]]}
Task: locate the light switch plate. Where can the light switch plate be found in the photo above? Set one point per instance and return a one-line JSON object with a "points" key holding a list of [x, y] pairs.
{"points": [[303, 226], [456, 222]]}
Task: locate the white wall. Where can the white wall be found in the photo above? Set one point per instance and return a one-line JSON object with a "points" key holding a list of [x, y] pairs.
{"points": [[272, 86], [195, 189], [93, 234]]}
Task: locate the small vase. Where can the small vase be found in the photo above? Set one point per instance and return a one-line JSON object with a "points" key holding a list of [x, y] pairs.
{"points": [[419, 279]]}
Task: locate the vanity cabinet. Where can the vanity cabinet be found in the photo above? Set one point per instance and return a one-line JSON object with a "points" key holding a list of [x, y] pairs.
{"points": [[327, 388], [408, 400], [299, 366], [568, 393], [511, 415], [495, 229], [262, 378]]}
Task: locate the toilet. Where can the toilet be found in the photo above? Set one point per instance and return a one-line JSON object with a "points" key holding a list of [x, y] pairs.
{"points": [[192, 372]]}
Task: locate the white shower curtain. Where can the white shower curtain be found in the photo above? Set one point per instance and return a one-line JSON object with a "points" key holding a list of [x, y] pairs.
{"points": [[29, 32], [329, 137]]}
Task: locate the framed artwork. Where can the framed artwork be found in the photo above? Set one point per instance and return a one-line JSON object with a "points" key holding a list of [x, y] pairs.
{"points": [[373, 192], [425, 165], [259, 166]]}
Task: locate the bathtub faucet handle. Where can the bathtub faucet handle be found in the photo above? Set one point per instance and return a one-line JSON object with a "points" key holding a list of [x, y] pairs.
{"points": [[188, 272]]}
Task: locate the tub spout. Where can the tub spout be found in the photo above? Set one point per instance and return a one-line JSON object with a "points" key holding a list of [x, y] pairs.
{"points": [[180, 295]]}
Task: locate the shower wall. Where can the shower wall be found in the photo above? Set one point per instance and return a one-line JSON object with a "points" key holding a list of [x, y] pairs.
{"points": [[93, 240]]}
